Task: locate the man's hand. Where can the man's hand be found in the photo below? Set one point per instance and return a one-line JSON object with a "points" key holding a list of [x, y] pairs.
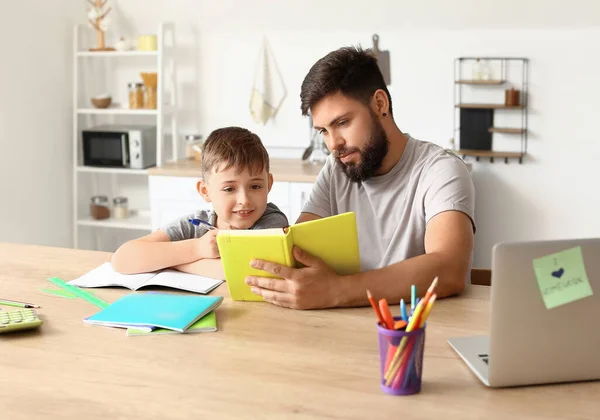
{"points": [[312, 287], [207, 245]]}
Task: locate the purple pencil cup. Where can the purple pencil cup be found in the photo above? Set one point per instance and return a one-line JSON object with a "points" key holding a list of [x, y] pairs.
{"points": [[401, 371]]}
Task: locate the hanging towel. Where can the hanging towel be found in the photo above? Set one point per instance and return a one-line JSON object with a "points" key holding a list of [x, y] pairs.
{"points": [[268, 91]]}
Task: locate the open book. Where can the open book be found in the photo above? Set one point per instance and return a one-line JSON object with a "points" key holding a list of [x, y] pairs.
{"points": [[104, 276], [333, 239]]}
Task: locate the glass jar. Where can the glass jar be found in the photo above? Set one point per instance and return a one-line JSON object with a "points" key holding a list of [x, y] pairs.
{"points": [[99, 207], [486, 70], [476, 70], [136, 95], [150, 97], [120, 208], [193, 146]]}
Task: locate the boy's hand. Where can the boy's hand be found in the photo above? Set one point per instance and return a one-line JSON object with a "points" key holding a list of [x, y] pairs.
{"points": [[207, 245]]}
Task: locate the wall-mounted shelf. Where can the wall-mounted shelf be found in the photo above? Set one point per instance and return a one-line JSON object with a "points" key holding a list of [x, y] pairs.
{"points": [[117, 53], [473, 122], [491, 155], [166, 109], [488, 106], [480, 82], [506, 130]]}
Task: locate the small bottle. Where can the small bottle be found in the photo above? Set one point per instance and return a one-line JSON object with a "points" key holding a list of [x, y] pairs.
{"points": [[476, 70], [120, 208], [99, 207], [136, 95]]}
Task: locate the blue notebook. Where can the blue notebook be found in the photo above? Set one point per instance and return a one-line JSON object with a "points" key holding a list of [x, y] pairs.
{"points": [[162, 310]]}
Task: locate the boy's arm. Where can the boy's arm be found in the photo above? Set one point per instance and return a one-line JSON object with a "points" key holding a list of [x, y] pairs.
{"points": [[208, 267], [156, 251]]}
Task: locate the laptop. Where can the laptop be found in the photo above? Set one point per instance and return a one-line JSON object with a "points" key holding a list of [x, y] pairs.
{"points": [[529, 344]]}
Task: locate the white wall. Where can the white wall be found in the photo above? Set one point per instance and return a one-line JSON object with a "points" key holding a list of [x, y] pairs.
{"points": [[35, 120], [550, 196]]}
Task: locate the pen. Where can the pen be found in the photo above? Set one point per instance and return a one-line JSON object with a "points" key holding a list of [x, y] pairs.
{"points": [[198, 222], [413, 298], [19, 304]]}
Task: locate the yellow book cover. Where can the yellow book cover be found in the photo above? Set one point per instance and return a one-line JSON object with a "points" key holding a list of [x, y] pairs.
{"points": [[333, 239]]}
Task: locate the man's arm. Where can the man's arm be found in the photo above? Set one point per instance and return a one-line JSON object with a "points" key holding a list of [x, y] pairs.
{"points": [[307, 217], [448, 247], [448, 250]]}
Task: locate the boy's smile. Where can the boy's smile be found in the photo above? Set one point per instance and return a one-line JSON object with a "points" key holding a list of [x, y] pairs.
{"points": [[239, 198]]}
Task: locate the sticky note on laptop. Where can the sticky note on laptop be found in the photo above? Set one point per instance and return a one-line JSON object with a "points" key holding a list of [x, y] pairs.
{"points": [[561, 277]]}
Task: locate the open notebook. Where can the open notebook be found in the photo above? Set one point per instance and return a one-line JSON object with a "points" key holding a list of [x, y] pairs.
{"points": [[105, 276]]}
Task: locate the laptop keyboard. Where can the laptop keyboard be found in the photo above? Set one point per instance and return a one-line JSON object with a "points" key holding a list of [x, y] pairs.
{"points": [[485, 358]]}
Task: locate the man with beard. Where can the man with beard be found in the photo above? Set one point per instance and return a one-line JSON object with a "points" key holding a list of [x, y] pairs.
{"points": [[414, 202]]}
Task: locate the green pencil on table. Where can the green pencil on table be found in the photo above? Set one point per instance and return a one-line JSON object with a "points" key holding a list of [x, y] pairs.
{"points": [[19, 304]]}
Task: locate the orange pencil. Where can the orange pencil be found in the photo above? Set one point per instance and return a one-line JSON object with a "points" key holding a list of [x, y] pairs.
{"points": [[375, 308], [431, 288]]}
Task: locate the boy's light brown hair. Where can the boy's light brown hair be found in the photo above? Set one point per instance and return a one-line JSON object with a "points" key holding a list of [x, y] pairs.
{"points": [[233, 147]]}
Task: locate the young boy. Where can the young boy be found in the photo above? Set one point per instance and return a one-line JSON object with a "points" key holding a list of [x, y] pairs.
{"points": [[236, 180]]}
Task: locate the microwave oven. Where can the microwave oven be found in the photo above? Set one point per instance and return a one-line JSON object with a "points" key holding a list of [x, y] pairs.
{"points": [[119, 146]]}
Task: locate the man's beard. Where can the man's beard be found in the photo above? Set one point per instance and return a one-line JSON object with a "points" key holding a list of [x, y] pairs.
{"points": [[371, 157]]}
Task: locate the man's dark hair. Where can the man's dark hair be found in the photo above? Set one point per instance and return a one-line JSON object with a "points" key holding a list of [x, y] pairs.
{"points": [[349, 70]]}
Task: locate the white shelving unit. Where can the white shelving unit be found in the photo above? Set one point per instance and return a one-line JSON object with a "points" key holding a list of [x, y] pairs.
{"points": [[85, 65]]}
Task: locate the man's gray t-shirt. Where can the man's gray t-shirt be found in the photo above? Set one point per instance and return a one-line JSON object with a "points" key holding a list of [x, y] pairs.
{"points": [[392, 210], [182, 229]]}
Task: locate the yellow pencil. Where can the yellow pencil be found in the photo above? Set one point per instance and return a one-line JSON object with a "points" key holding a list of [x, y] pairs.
{"points": [[427, 310]]}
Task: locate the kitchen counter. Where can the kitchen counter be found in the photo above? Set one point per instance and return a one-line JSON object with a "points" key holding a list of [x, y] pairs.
{"points": [[283, 170]]}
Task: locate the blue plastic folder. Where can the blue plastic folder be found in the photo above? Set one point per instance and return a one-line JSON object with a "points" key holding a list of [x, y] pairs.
{"points": [[162, 310]]}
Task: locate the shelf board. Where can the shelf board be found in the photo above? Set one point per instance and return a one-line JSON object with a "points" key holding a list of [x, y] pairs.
{"points": [[506, 130], [117, 53], [122, 111], [489, 154], [480, 82], [136, 221], [93, 169], [488, 106]]}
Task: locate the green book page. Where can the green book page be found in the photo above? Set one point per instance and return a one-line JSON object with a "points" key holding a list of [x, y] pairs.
{"points": [[207, 323]]}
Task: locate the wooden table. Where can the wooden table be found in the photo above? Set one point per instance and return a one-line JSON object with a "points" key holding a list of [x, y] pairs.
{"points": [[264, 362]]}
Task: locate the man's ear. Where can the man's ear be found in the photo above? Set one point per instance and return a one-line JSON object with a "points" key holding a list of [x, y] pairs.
{"points": [[203, 190], [381, 103], [270, 183]]}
